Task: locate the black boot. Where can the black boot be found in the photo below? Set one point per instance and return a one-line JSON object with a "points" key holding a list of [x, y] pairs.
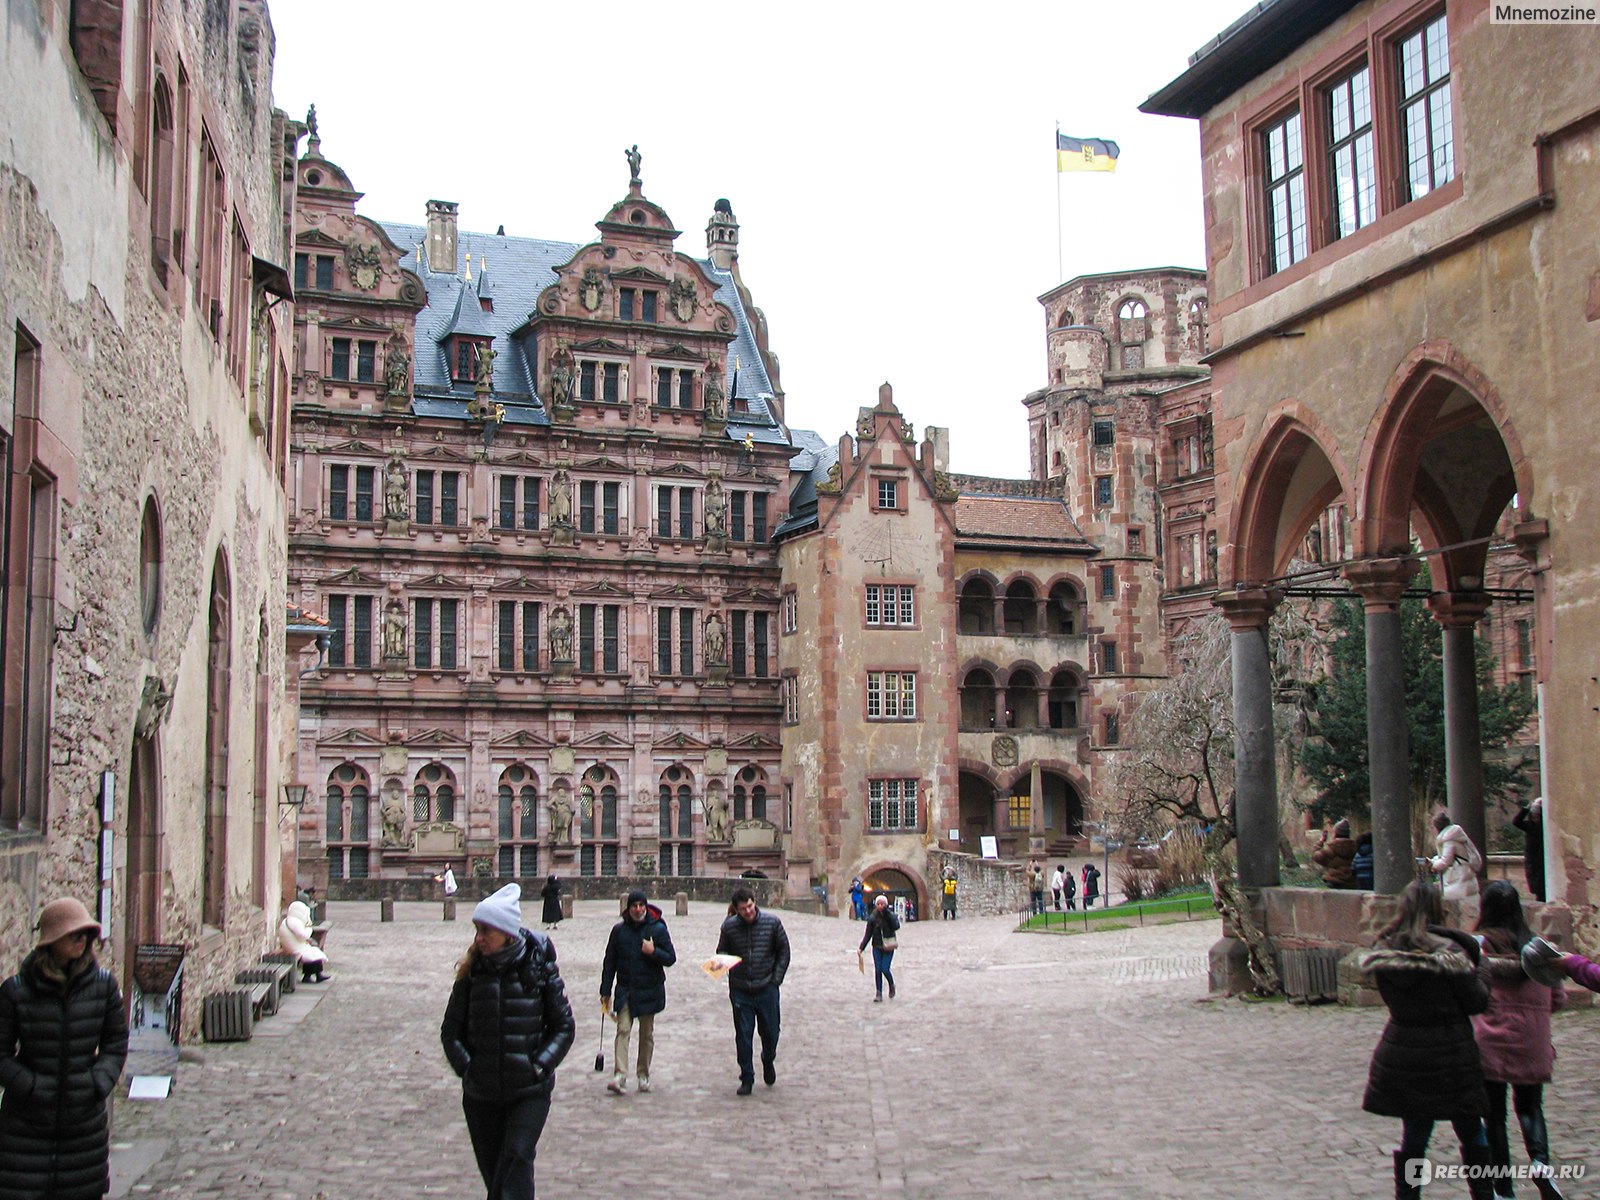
{"points": [[1536, 1137], [1481, 1187], [1402, 1189]]}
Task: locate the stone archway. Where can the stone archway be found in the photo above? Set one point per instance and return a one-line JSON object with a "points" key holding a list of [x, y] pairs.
{"points": [[897, 880], [142, 899]]}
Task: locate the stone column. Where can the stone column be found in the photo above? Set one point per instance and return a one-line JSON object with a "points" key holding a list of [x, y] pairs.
{"points": [[1254, 747], [1035, 809], [1459, 614], [1379, 583]]}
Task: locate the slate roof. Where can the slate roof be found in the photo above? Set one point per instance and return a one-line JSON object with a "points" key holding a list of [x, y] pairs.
{"points": [[811, 464], [518, 269], [1017, 519]]}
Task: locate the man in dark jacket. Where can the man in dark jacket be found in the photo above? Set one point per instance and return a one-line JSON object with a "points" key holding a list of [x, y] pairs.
{"points": [[1531, 821], [637, 958], [758, 938]]}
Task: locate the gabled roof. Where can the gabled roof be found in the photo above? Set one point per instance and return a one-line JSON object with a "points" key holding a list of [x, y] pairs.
{"points": [[1018, 520]]}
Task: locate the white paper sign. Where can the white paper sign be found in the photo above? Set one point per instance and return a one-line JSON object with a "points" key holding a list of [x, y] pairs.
{"points": [[149, 1087], [990, 845]]}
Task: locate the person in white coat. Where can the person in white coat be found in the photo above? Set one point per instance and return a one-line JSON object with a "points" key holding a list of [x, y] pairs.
{"points": [[1457, 864], [294, 935], [1055, 887]]}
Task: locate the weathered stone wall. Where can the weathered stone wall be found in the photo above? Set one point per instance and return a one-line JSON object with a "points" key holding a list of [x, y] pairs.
{"points": [[984, 886]]}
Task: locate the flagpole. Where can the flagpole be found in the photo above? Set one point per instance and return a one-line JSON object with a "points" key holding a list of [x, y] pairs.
{"points": [[1061, 274]]}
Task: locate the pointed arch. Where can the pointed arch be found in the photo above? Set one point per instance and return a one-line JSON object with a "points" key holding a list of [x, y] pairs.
{"points": [[1289, 479]]}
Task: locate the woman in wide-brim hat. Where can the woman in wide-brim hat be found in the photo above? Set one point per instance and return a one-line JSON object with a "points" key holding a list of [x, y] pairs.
{"points": [[63, 1040]]}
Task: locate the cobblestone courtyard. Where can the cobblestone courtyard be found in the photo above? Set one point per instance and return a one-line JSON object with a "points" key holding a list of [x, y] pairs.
{"points": [[1011, 1065]]}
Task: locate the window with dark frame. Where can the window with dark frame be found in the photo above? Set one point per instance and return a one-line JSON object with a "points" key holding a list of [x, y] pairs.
{"points": [[1102, 490], [892, 805], [361, 632], [325, 272], [364, 483], [366, 361], [1105, 434], [1283, 160], [1108, 581], [423, 487], [449, 488], [686, 624], [339, 361], [338, 492]]}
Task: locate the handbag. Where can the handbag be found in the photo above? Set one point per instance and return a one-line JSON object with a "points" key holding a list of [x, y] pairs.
{"points": [[888, 942]]}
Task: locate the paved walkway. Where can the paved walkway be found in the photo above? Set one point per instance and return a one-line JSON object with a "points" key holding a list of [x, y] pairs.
{"points": [[1016, 1065]]}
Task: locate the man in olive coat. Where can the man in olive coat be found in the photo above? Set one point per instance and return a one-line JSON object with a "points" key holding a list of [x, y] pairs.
{"points": [[637, 958]]}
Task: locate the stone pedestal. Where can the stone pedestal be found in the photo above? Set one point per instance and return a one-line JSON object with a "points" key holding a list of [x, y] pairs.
{"points": [[450, 909], [396, 527], [681, 904], [560, 670], [561, 535], [716, 543], [716, 674], [566, 906], [386, 909], [394, 669]]}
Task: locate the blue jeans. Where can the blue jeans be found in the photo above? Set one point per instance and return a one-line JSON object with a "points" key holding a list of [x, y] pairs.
{"points": [[753, 1011], [1417, 1132], [882, 962], [505, 1139]]}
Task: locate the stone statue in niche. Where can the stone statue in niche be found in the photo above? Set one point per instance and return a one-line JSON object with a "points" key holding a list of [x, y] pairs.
{"points": [[717, 829], [394, 489], [561, 498], [393, 811], [397, 371], [716, 407], [716, 640], [634, 159], [716, 507], [394, 630], [561, 636], [561, 379]]}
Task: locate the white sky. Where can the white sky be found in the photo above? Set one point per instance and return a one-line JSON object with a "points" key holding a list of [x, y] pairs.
{"points": [[893, 174]]}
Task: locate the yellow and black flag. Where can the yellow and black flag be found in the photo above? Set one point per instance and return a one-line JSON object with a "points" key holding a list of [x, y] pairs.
{"points": [[1085, 154]]}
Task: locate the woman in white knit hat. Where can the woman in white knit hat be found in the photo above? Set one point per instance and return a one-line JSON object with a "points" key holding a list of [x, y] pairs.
{"points": [[63, 1040], [507, 1027]]}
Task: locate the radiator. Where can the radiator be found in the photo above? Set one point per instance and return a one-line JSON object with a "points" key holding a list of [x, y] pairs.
{"points": [[1310, 974], [227, 1017], [270, 975]]}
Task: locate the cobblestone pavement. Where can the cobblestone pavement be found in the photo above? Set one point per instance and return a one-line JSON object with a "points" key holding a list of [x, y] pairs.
{"points": [[1010, 1065]]}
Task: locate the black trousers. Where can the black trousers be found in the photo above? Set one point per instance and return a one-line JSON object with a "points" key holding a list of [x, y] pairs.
{"points": [[753, 1011], [505, 1139]]}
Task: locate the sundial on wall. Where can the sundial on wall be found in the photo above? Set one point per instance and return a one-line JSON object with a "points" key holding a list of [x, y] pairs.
{"points": [[877, 546]]}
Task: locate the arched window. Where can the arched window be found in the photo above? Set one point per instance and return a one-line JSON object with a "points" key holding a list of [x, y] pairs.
{"points": [[219, 692], [335, 826], [1021, 608], [1066, 319], [347, 837], [598, 796], [676, 824], [977, 700], [750, 794], [977, 607], [1133, 329], [1199, 321], [162, 158], [1062, 613], [1065, 690], [1022, 700], [433, 797]]}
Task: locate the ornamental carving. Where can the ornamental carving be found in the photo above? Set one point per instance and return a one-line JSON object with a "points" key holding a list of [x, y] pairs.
{"points": [[681, 296], [591, 289], [866, 427], [365, 266], [1003, 752]]}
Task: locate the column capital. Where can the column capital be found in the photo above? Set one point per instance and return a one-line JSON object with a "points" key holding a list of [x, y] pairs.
{"points": [[1380, 581], [1248, 608], [1459, 610]]}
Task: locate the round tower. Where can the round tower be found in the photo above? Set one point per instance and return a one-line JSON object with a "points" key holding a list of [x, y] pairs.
{"points": [[722, 237]]}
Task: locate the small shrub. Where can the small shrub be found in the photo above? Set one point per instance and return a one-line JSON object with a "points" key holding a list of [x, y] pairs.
{"points": [[1136, 884]]}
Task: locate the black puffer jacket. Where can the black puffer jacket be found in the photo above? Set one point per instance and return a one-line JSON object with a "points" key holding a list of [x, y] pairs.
{"points": [[762, 944], [1426, 1064], [880, 924], [507, 1027], [641, 980], [63, 1040]]}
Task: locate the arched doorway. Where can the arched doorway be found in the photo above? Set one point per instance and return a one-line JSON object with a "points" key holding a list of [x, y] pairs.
{"points": [[1063, 812], [976, 806], [896, 884], [143, 870]]}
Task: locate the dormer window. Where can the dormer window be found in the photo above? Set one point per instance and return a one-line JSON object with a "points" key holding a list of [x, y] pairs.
{"points": [[463, 356]]}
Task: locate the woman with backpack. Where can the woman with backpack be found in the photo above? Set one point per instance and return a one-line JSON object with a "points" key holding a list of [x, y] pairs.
{"points": [[506, 1028]]}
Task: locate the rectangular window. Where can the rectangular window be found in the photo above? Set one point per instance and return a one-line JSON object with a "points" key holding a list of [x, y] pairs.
{"points": [[366, 361], [1108, 582], [791, 612], [505, 516], [612, 386], [759, 645], [890, 604], [505, 635], [1105, 433], [361, 633], [586, 638], [449, 653], [892, 805], [686, 512], [791, 699], [1350, 164], [736, 516], [1113, 730], [364, 478], [1108, 657], [664, 641], [530, 635], [625, 304], [610, 497], [302, 265], [663, 387], [610, 655], [891, 696], [422, 632], [586, 508], [424, 490], [889, 493], [449, 486], [758, 517], [1426, 125], [647, 305], [1135, 541], [530, 502], [664, 512], [335, 808], [335, 864], [1102, 491], [737, 641], [360, 862], [586, 372], [337, 614], [325, 272], [685, 389], [339, 364], [466, 361], [686, 622], [338, 493], [1019, 811], [1285, 181]]}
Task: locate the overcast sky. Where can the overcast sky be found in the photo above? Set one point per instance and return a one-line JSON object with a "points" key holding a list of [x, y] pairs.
{"points": [[893, 174]]}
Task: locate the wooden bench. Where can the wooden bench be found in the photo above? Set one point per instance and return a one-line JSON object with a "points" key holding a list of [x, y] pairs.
{"points": [[260, 999]]}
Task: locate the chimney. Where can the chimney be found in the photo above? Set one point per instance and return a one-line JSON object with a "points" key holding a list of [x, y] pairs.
{"points": [[722, 237], [939, 436], [442, 236]]}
